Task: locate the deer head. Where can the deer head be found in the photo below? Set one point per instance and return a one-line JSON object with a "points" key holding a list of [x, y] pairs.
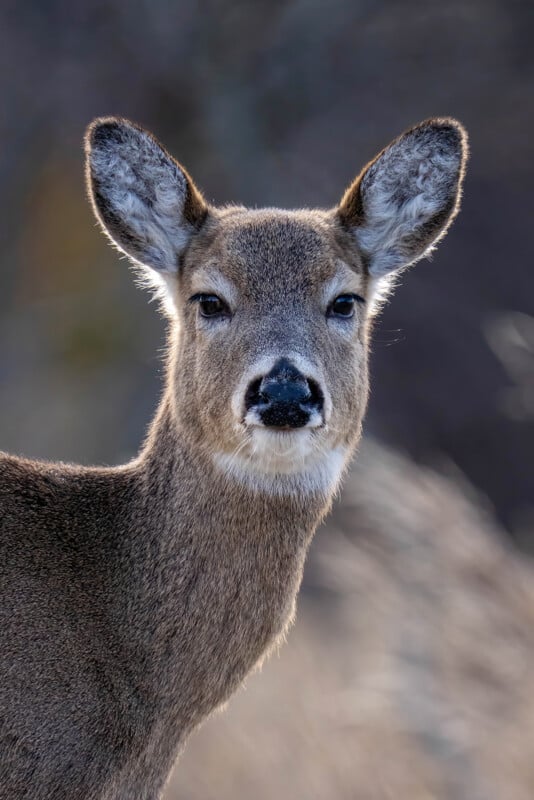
{"points": [[270, 309]]}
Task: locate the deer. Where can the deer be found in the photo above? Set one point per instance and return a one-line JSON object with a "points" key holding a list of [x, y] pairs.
{"points": [[134, 600]]}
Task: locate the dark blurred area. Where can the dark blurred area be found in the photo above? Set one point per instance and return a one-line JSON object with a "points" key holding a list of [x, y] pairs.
{"points": [[281, 103]]}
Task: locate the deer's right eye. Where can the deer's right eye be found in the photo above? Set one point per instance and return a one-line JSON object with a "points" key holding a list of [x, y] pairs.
{"points": [[210, 305]]}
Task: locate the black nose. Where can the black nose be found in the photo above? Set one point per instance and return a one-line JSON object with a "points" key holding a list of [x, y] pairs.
{"points": [[284, 398]]}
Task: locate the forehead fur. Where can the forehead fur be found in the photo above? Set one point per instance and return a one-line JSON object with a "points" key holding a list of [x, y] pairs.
{"points": [[292, 250]]}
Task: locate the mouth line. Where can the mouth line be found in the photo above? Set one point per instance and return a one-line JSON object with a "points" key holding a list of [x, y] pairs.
{"points": [[251, 424], [285, 431], [252, 420]]}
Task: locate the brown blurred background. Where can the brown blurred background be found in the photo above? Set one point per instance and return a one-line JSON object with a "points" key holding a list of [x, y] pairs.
{"points": [[408, 672]]}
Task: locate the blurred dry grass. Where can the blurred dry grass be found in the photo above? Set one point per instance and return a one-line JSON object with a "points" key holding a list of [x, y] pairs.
{"points": [[409, 671]]}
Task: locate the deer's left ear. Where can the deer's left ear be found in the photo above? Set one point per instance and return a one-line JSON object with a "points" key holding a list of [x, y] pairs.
{"points": [[404, 200]]}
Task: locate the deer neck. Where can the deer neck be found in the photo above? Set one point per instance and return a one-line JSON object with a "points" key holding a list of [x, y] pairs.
{"points": [[216, 567]]}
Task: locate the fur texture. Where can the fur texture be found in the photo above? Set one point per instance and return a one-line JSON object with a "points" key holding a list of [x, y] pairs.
{"points": [[134, 600], [143, 198], [405, 199]]}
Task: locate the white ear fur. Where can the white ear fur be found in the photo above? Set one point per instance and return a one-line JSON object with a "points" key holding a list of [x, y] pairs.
{"points": [[145, 201], [404, 201]]}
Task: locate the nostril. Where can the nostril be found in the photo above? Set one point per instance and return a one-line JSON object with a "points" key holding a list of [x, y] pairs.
{"points": [[253, 396], [316, 398]]}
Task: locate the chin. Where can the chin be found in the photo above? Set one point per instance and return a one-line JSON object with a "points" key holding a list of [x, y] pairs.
{"points": [[285, 461], [285, 452]]}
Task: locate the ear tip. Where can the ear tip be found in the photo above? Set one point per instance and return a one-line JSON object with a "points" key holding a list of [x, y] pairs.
{"points": [[450, 126], [449, 129], [104, 130]]}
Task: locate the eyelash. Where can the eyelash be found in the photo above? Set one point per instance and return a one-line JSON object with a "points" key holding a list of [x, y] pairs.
{"points": [[348, 298], [206, 297]]}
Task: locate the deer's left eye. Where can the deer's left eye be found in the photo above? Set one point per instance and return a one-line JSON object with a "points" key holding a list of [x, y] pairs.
{"points": [[210, 305], [343, 306]]}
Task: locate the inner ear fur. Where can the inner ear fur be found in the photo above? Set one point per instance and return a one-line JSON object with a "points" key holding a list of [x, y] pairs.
{"points": [[144, 199], [405, 199]]}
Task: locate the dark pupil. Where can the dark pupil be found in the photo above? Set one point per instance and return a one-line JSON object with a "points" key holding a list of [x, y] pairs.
{"points": [[343, 305], [210, 305]]}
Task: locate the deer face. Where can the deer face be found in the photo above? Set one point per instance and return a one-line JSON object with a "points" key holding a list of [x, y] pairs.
{"points": [[272, 308], [273, 341]]}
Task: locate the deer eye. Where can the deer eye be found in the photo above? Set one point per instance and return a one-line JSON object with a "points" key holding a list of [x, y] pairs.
{"points": [[210, 305], [343, 306]]}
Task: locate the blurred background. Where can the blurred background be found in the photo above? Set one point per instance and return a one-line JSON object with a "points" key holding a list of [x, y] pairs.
{"points": [[409, 672]]}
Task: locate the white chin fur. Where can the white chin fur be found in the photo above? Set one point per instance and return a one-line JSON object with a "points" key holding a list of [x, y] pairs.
{"points": [[288, 462]]}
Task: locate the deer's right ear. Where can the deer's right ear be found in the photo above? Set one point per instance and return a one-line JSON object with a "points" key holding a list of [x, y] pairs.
{"points": [[146, 202]]}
